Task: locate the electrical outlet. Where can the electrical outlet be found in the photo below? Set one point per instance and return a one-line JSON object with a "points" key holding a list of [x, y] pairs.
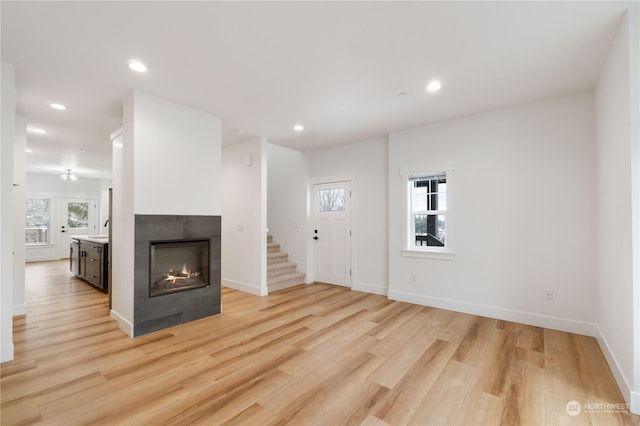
{"points": [[548, 294]]}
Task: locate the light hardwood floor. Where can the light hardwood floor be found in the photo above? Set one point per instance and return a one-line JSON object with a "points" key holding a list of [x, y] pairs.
{"points": [[315, 354]]}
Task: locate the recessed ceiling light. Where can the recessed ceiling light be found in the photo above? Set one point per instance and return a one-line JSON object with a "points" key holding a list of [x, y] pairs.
{"points": [[36, 130], [28, 150], [137, 66], [58, 107], [434, 86], [298, 127]]}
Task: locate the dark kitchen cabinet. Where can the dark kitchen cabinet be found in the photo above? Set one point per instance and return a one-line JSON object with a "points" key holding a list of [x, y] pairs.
{"points": [[93, 263]]}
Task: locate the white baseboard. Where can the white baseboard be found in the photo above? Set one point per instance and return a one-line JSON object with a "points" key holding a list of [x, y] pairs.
{"points": [[42, 258], [370, 288], [529, 318], [19, 309], [124, 325], [634, 405], [6, 352], [625, 388], [247, 288]]}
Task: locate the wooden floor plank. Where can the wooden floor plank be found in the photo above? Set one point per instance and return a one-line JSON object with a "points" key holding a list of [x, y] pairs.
{"points": [[310, 354]]}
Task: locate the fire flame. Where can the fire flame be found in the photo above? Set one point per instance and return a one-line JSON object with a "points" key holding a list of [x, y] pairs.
{"points": [[186, 273]]}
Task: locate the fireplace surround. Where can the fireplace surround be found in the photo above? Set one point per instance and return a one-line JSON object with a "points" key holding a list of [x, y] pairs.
{"points": [[185, 283]]}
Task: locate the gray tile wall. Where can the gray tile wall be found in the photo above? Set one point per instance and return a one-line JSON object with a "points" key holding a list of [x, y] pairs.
{"points": [[157, 313]]}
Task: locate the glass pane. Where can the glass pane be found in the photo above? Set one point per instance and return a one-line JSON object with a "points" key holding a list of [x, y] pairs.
{"points": [[78, 215], [331, 200], [429, 193], [442, 201], [420, 199], [37, 220], [430, 230]]}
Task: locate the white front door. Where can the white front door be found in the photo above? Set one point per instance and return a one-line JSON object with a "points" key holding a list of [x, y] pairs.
{"points": [[332, 232], [78, 216]]}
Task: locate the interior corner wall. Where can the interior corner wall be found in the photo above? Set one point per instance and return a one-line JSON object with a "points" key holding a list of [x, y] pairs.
{"points": [[244, 217], [7, 115], [19, 193], [367, 162], [287, 202], [523, 210], [615, 286]]}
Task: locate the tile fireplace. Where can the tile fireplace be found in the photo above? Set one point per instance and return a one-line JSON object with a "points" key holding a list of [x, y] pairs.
{"points": [[177, 270]]}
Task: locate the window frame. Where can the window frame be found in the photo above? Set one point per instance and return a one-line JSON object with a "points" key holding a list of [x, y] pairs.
{"points": [[409, 248]]}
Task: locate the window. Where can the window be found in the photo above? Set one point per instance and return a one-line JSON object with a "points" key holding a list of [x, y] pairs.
{"points": [[428, 221], [427, 217], [37, 221], [331, 200], [78, 215]]}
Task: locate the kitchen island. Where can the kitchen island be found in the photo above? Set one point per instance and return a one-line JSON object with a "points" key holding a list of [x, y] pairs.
{"points": [[89, 257]]}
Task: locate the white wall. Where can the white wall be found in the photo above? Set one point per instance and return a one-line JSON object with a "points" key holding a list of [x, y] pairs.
{"points": [[7, 112], [41, 185], [54, 185], [634, 72], [287, 202], [19, 191], [366, 162], [244, 217], [177, 158], [523, 206], [122, 242], [614, 228]]}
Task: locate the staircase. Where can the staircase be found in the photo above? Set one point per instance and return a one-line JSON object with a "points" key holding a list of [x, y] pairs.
{"points": [[280, 272]]}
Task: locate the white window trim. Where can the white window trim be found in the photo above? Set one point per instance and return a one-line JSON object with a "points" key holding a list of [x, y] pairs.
{"points": [[408, 249]]}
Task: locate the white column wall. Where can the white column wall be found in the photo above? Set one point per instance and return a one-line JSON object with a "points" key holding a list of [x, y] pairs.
{"points": [[167, 162], [244, 217], [7, 112], [634, 72], [287, 202], [19, 191], [615, 183], [366, 162], [177, 159], [123, 235], [523, 211]]}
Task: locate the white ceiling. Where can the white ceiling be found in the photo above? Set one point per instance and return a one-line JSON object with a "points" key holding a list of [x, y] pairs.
{"points": [[335, 67]]}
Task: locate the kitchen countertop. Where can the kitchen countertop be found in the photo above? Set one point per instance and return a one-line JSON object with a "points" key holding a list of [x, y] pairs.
{"points": [[100, 239]]}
